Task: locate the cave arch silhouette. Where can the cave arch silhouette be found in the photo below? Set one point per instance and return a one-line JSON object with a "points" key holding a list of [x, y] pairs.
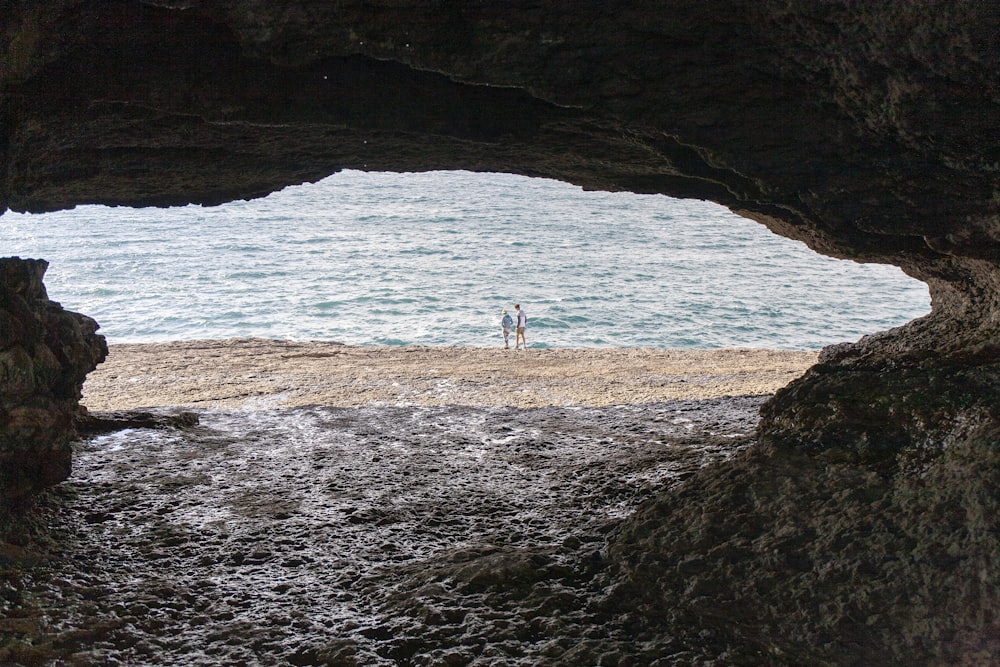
{"points": [[862, 528]]}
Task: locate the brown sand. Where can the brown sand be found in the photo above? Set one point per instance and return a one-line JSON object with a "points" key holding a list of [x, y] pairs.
{"points": [[275, 373]]}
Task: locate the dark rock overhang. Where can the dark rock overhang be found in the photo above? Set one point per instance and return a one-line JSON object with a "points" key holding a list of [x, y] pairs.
{"points": [[868, 132]]}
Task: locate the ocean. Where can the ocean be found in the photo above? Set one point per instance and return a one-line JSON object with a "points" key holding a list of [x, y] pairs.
{"points": [[432, 258]]}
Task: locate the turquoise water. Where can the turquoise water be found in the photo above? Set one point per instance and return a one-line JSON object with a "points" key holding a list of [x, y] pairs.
{"points": [[431, 258]]}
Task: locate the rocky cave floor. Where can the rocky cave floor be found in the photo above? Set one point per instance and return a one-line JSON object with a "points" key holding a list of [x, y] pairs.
{"points": [[437, 535]]}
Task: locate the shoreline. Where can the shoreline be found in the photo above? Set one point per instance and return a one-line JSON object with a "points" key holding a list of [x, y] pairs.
{"points": [[269, 373]]}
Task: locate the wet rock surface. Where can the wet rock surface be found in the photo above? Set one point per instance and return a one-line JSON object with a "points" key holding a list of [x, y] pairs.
{"points": [[655, 534], [420, 535]]}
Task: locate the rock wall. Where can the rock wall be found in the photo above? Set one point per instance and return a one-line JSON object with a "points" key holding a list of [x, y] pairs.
{"points": [[799, 559], [45, 355]]}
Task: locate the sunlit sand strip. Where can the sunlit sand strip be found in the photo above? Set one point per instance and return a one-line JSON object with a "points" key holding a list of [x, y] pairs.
{"points": [[274, 373]]}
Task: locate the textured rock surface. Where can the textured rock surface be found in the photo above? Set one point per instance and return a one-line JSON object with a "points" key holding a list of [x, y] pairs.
{"points": [[803, 560], [45, 354], [786, 557], [869, 132]]}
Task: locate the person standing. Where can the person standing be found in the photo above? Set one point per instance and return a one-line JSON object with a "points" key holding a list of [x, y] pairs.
{"points": [[506, 323], [522, 322]]}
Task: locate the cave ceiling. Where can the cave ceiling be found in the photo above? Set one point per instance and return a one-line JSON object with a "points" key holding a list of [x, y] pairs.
{"points": [[869, 132]]}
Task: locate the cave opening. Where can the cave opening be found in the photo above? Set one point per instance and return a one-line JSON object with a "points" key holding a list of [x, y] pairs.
{"points": [[431, 258]]}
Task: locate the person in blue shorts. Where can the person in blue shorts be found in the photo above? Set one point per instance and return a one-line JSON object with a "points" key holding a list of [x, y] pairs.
{"points": [[506, 323]]}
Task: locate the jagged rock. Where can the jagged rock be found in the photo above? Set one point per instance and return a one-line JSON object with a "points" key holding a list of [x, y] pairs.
{"points": [[45, 355], [116, 420], [799, 559]]}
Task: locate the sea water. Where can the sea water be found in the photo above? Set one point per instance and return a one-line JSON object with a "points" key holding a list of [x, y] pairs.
{"points": [[433, 258]]}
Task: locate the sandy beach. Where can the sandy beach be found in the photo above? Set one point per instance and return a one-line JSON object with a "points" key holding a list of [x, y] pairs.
{"points": [[273, 373]]}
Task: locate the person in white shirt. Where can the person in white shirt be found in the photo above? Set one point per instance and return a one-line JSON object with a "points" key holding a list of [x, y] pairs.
{"points": [[522, 322]]}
